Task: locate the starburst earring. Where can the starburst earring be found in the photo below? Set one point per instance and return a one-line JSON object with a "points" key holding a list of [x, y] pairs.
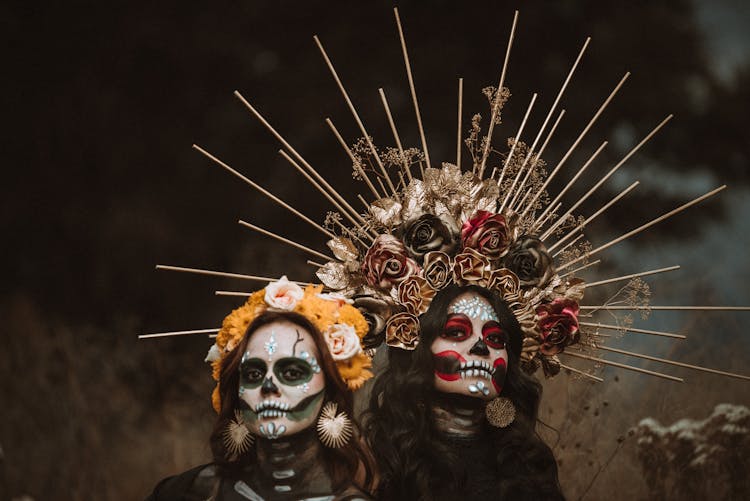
{"points": [[500, 412], [334, 429], [236, 437]]}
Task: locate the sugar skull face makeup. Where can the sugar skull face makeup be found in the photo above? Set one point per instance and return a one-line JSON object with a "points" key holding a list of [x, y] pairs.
{"points": [[470, 353], [281, 384]]}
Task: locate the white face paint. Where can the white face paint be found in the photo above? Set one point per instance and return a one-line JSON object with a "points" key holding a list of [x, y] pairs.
{"points": [[281, 384], [470, 354]]}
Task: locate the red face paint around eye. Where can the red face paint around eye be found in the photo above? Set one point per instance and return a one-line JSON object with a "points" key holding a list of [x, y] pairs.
{"points": [[494, 336], [457, 328], [447, 364]]}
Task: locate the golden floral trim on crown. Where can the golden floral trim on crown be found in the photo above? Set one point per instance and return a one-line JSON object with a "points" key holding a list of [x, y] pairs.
{"points": [[342, 326], [444, 230]]}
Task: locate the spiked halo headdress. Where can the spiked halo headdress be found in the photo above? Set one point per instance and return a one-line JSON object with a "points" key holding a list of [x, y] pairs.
{"points": [[493, 223]]}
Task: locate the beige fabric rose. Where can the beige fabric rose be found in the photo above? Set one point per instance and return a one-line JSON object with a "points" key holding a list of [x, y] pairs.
{"points": [[343, 341], [283, 294], [402, 331], [416, 294], [469, 267], [438, 269]]}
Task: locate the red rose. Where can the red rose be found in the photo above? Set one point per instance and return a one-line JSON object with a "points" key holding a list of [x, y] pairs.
{"points": [[386, 263], [487, 233], [558, 324]]}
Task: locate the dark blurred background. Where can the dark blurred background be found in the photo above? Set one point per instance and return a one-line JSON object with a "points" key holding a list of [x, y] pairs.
{"points": [[102, 100]]}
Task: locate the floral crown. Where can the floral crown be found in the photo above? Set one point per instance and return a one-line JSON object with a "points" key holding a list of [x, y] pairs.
{"points": [[342, 326], [448, 228]]}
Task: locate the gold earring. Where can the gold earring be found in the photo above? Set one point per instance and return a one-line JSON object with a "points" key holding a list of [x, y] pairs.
{"points": [[334, 430], [500, 412], [236, 437]]}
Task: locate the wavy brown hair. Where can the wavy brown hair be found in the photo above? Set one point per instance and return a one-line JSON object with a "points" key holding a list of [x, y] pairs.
{"points": [[350, 461]]}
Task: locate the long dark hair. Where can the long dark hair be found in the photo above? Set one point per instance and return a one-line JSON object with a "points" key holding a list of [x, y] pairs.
{"points": [[414, 461], [345, 463]]}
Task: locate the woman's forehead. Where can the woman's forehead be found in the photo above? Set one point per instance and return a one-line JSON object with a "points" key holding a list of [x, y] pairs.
{"points": [[281, 338], [474, 306]]}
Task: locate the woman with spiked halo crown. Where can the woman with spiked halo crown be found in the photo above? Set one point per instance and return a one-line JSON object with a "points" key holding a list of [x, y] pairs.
{"points": [[285, 363]]}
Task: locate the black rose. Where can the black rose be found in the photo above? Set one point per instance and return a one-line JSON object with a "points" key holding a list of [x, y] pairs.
{"points": [[529, 260], [428, 233], [375, 311]]}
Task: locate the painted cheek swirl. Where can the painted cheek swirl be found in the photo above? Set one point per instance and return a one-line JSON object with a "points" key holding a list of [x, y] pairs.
{"points": [[447, 364], [498, 374]]}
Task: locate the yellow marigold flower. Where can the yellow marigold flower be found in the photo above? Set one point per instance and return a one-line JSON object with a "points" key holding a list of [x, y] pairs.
{"points": [[355, 371], [321, 312], [348, 314]]}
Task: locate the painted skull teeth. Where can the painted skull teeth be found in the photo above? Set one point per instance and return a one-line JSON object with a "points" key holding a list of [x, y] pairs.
{"points": [[476, 368], [271, 408]]}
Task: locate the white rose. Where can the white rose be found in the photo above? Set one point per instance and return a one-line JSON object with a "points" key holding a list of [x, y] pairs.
{"points": [[213, 354], [342, 341], [283, 294]]}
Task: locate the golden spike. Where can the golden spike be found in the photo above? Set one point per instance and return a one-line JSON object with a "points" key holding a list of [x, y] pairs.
{"points": [[672, 362], [401, 178], [578, 228], [616, 167], [515, 143], [632, 329], [582, 373], [623, 366], [495, 103], [313, 263], [592, 263], [576, 239], [537, 223], [552, 212], [645, 226], [264, 191], [533, 164], [177, 333], [411, 86], [575, 143], [667, 308], [546, 121], [364, 202], [460, 113], [220, 274], [382, 186], [285, 240], [351, 233], [294, 152], [356, 164], [633, 275], [312, 181], [233, 293], [354, 113], [387, 108]]}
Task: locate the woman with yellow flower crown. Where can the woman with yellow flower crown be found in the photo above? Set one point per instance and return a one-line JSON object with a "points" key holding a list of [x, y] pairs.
{"points": [[286, 363]]}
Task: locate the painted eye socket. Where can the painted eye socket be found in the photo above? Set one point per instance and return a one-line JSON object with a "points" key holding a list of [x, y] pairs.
{"points": [[293, 371], [457, 328], [252, 371], [494, 336]]}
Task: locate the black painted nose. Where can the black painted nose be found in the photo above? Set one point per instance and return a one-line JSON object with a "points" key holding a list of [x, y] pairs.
{"points": [[269, 386], [479, 348]]}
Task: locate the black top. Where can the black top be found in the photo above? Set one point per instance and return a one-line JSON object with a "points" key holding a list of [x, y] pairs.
{"points": [[204, 483]]}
